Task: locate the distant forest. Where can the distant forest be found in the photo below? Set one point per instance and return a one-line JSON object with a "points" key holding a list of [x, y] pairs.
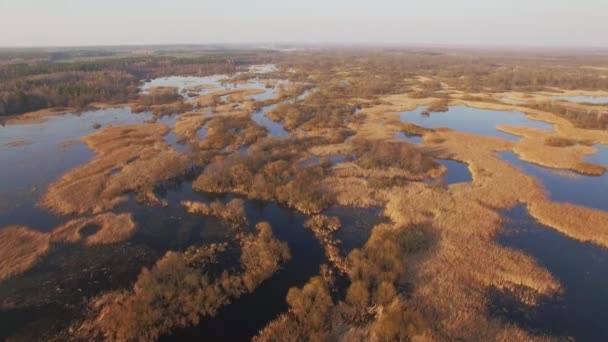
{"points": [[60, 80]]}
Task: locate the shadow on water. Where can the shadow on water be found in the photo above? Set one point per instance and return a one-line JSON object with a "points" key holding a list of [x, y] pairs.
{"points": [[473, 120], [581, 269], [566, 186]]}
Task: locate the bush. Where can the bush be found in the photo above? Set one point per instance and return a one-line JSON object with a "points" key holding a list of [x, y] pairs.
{"points": [[387, 154], [559, 142]]}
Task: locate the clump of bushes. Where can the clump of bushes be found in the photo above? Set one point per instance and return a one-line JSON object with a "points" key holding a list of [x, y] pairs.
{"points": [[373, 309], [323, 226], [441, 105], [580, 118], [178, 292], [233, 211], [411, 129], [559, 142], [269, 172], [388, 154]]}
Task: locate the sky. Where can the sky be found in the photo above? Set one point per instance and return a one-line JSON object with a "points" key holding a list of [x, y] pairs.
{"points": [[559, 23]]}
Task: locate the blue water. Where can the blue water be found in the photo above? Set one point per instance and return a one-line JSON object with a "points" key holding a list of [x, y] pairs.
{"points": [[457, 172], [583, 99], [580, 267], [412, 139], [601, 157], [27, 170], [472, 120], [275, 129], [564, 186]]}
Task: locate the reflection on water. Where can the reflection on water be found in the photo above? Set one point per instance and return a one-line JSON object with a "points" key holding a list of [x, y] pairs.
{"points": [[473, 120], [583, 99], [589, 191], [581, 269]]}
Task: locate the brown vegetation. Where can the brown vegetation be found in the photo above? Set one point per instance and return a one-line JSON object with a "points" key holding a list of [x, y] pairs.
{"points": [[161, 101], [179, 292], [266, 173], [110, 227], [559, 142], [387, 154], [323, 227], [233, 211], [121, 153], [20, 249]]}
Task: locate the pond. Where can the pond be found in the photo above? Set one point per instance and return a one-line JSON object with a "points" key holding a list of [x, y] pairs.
{"points": [[473, 120], [458, 172], [583, 99], [580, 268], [566, 186]]}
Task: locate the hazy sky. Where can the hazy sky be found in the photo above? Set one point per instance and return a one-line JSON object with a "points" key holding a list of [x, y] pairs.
{"points": [[452, 22]]}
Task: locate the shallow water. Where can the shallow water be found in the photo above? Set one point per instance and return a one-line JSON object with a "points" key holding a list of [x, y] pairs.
{"points": [[187, 85], [566, 186], [412, 139], [473, 120], [583, 99], [600, 157], [457, 172], [581, 269], [274, 128], [27, 170]]}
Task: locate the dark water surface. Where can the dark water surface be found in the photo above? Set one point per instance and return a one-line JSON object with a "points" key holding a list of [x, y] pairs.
{"points": [[566, 186], [582, 269]]}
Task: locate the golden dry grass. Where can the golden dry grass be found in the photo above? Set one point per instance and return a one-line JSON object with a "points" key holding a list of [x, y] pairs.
{"points": [[20, 249], [121, 154], [533, 148], [188, 125], [232, 211], [112, 228]]}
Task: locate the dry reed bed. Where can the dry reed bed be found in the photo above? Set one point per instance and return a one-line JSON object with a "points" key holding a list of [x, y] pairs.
{"points": [[233, 211], [179, 291], [467, 261], [533, 148], [21, 247], [121, 153]]}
